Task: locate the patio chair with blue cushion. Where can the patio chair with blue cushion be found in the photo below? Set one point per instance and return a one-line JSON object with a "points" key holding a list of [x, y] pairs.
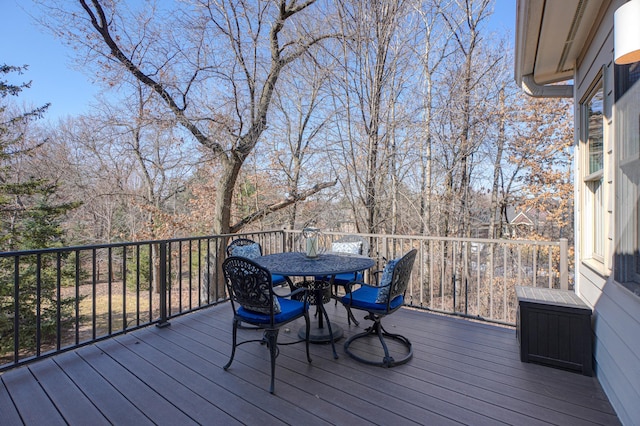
{"points": [[380, 301], [253, 301], [348, 244], [250, 249]]}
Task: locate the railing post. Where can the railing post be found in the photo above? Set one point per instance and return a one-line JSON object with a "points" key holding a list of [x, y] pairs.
{"points": [[162, 282], [564, 264]]}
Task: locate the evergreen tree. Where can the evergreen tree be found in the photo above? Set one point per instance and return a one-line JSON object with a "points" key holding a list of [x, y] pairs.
{"points": [[30, 218]]}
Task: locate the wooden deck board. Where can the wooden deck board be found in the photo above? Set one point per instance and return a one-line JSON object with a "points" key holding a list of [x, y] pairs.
{"points": [[462, 372], [74, 406]]}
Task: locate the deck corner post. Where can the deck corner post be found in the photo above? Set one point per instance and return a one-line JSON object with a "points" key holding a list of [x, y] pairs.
{"points": [[162, 281]]}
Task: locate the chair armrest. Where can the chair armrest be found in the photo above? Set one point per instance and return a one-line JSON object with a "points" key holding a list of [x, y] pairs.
{"points": [[376, 274], [297, 291]]}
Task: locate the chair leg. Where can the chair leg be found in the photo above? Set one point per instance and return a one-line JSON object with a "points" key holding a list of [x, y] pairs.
{"points": [[272, 342], [236, 324], [328, 324], [377, 329], [351, 317], [308, 327]]}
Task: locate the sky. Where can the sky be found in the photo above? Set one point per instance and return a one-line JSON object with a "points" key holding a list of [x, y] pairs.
{"points": [[71, 92]]}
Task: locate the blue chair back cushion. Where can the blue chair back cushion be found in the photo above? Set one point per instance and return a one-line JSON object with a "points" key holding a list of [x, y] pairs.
{"points": [[250, 251], [288, 309], [366, 297], [385, 281]]}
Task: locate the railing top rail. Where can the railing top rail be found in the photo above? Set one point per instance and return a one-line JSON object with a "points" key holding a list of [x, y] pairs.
{"points": [[208, 237], [124, 244], [435, 238]]}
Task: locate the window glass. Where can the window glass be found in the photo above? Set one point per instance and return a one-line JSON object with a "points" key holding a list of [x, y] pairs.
{"points": [[595, 130]]}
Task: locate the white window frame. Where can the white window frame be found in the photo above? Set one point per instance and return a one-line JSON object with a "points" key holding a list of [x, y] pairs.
{"points": [[593, 183]]}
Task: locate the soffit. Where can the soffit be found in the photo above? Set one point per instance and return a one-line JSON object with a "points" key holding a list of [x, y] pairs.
{"points": [[551, 35]]}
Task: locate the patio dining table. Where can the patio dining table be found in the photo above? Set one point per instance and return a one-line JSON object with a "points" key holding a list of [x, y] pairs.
{"points": [[328, 265]]}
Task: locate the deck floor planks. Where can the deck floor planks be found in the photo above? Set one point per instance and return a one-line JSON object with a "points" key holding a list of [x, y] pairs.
{"points": [[9, 413], [173, 391], [209, 380], [315, 394], [74, 406], [288, 404], [31, 400], [462, 372], [111, 403], [131, 387]]}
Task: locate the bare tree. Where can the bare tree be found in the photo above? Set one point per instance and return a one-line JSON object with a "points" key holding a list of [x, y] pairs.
{"points": [[213, 66], [364, 95]]}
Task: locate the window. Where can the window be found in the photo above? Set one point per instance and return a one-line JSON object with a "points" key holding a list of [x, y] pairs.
{"points": [[592, 114]]}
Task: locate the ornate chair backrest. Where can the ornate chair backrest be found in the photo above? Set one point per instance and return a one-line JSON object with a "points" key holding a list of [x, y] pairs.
{"points": [[364, 247], [401, 275], [249, 285], [241, 242]]}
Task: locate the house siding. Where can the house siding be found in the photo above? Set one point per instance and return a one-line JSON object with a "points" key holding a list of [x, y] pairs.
{"points": [[616, 317]]}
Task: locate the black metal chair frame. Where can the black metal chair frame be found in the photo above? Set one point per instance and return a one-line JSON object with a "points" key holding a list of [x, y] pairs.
{"points": [[397, 287], [249, 285]]}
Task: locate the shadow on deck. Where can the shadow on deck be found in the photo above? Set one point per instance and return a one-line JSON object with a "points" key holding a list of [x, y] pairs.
{"points": [[462, 372]]}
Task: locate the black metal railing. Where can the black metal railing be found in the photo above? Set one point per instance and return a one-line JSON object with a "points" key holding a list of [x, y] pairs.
{"points": [[58, 299]]}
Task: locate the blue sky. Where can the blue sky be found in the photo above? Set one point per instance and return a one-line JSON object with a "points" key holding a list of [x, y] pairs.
{"points": [[71, 92], [50, 68]]}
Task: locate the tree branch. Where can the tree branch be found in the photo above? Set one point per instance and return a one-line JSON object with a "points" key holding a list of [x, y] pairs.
{"points": [[281, 205], [100, 23]]}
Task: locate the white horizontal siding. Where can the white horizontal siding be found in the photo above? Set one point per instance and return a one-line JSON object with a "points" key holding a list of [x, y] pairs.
{"points": [[616, 316], [617, 346]]}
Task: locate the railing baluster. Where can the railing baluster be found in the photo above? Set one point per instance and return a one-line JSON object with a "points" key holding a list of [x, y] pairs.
{"points": [[168, 279], [431, 278], [190, 274], [38, 303], [162, 285], [550, 270], [478, 282], [58, 301], [137, 284], [109, 290], [504, 282], [93, 294], [124, 288], [150, 279], [77, 301], [180, 276], [16, 309], [564, 264]]}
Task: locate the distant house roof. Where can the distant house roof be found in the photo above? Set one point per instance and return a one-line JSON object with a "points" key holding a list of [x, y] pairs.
{"points": [[529, 217]]}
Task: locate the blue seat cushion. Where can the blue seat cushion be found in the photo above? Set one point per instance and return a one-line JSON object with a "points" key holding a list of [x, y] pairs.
{"points": [[365, 298], [343, 279], [289, 309], [278, 279]]}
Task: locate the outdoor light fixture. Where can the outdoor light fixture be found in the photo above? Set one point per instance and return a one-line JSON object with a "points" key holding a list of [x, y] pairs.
{"points": [[626, 33]]}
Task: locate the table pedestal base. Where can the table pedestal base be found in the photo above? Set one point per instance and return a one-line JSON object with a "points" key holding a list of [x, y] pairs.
{"points": [[321, 335]]}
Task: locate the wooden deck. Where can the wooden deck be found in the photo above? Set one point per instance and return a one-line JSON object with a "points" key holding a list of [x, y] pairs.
{"points": [[462, 372]]}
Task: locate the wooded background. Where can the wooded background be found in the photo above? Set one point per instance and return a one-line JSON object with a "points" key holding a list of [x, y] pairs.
{"points": [[396, 117]]}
